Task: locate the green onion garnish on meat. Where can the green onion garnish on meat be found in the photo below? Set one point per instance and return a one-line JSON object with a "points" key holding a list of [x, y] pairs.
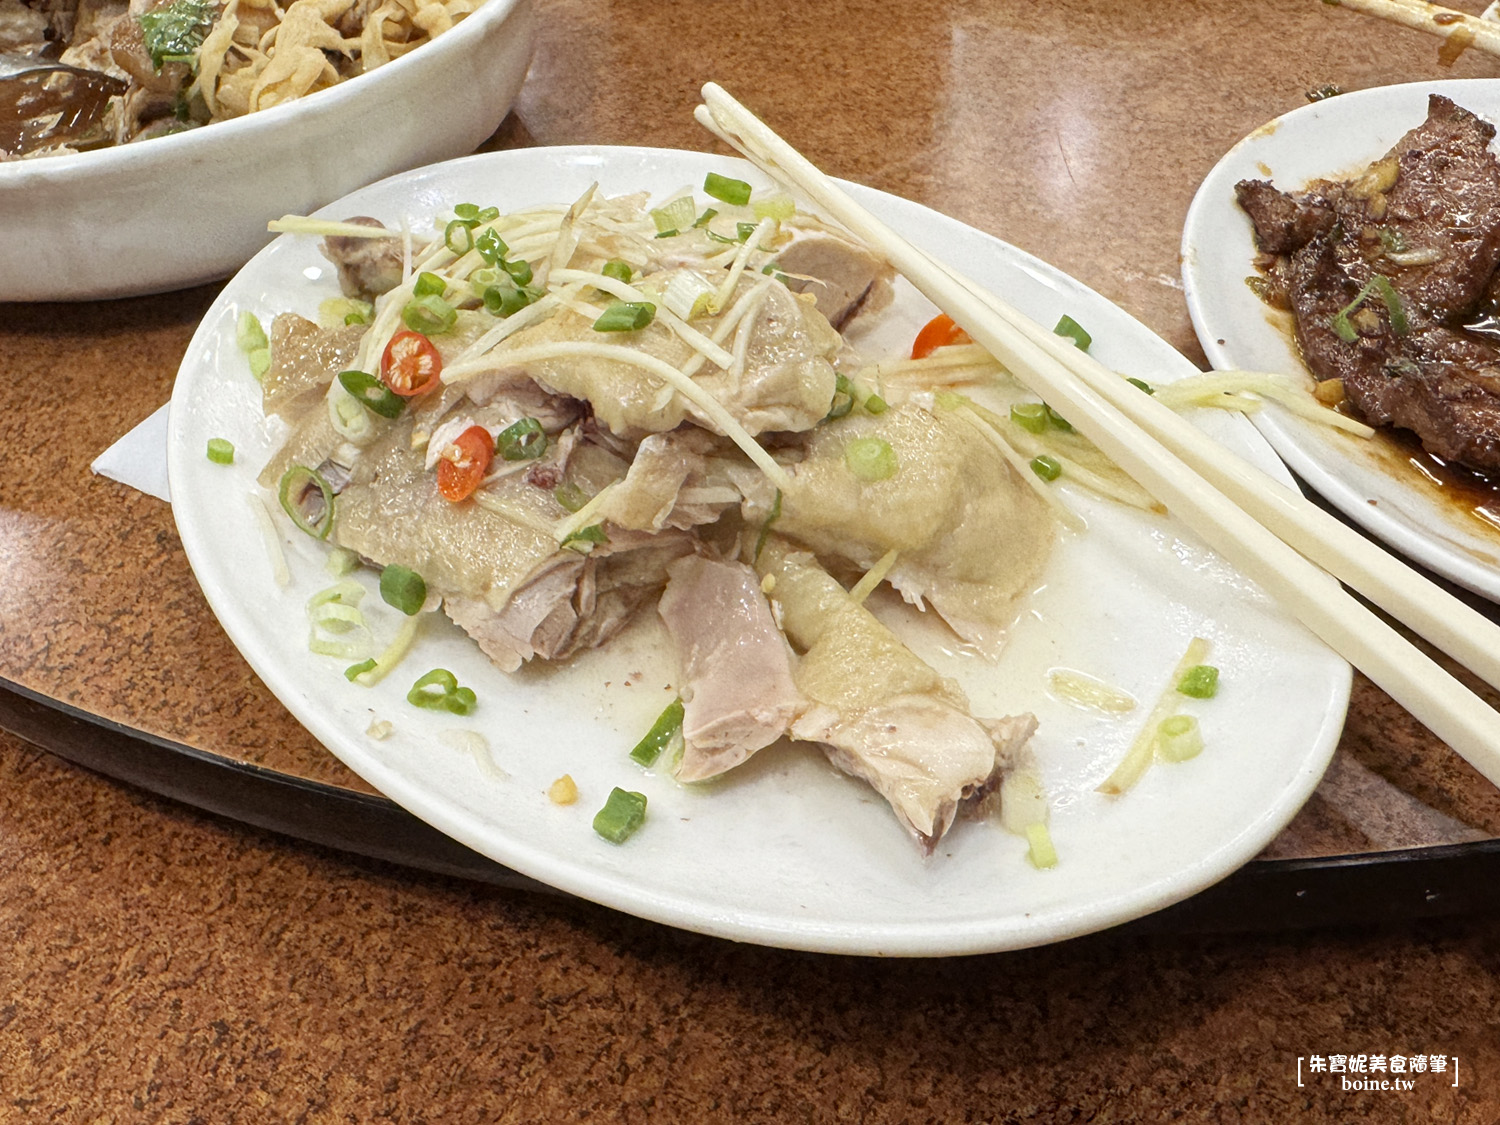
{"points": [[1030, 416], [429, 315], [1048, 468], [626, 316], [1381, 286], [402, 588], [491, 246], [522, 441], [458, 237], [621, 815], [843, 399], [667, 727], [870, 459]]}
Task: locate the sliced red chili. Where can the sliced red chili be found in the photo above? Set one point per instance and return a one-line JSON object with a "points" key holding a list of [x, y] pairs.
{"points": [[411, 364], [463, 464], [937, 333]]}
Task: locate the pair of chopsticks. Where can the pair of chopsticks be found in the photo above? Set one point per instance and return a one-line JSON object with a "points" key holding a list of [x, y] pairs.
{"points": [[1270, 532]]}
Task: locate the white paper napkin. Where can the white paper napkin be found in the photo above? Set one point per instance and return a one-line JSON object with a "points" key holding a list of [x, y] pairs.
{"points": [[139, 459]]}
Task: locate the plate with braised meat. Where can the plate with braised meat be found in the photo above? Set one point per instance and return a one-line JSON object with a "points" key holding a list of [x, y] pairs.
{"points": [[1354, 243]]}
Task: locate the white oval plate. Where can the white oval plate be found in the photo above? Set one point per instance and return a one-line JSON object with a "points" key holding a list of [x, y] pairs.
{"points": [[1370, 482], [786, 851]]}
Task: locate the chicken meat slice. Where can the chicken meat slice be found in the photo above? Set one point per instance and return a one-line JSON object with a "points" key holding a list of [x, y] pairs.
{"points": [[880, 711], [783, 378], [844, 277], [677, 480], [970, 536], [570, 604], [738, 695]]}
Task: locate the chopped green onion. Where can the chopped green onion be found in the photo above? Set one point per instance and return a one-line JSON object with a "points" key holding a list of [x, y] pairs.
{"points": [[743, 231], [876, 405], [371, 393], [341, 562], [220, 451], [1057, 421], [621, 815], [296, 493], [438, 690], [1142, 384], [1030, 416], [617, 269], [670, 233], [467, 212], [667, 727], [843, 399], [429, 284], [779, 207], [429, 315], [522, 441], [765, 528], [458, 237], [520, 272], [704, 219], [870, 459], [336, 311], [354, 671], [585, 539], [569, 496], [1381, 286], [1200, 681], [491, 246], [503, 300], [1048, 468], [251, 338], [626, 316], [1070, 328], [403, 589], [674, 216], [1179, 738], [736, 193], [1040, 849]]}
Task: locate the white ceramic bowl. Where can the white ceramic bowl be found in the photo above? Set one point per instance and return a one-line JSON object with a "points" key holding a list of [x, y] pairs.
{"points": [[184, 209]]}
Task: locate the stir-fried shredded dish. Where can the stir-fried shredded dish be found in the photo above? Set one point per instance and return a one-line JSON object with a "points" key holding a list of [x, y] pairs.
{"points": [[184, 63]]}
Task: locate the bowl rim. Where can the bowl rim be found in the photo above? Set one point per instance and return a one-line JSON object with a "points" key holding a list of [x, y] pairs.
{"points": [[489, 15]]}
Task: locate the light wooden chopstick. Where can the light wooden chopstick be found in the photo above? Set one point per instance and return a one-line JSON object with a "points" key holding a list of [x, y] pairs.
{"points": [[1186, 470], [1457, 29]]}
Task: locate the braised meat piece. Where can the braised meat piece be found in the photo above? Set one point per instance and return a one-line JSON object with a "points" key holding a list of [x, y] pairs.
{"points": [[1392, 280]]}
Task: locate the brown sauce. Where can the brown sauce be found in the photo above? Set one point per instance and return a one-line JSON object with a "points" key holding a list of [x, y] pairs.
{"points": [[53, 109], [1464, 491]]}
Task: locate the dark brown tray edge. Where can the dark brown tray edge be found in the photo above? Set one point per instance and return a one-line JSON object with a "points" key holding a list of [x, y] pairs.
{"points": [[362, 823], [1264, 895]]}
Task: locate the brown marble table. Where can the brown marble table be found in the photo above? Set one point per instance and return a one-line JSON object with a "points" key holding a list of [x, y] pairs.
{"points": [[161, 963]]}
